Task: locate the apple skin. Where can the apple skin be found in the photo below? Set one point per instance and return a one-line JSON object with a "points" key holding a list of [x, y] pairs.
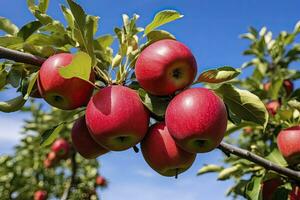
{"points": [[162, 153], [40, 195], [83, 141], [269, 187], [295, 193], [197, 120], [101, 181], [273, 106], [165, 67], [288, 141], [66, 94], [288, 86], [117, 118], [62, 148]]}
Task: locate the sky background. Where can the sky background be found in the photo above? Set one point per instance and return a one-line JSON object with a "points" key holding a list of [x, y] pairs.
{"points": [[211, 29]]}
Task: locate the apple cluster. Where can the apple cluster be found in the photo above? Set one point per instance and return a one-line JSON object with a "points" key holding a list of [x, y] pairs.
{"points": [[60, 150], [116, 119]]}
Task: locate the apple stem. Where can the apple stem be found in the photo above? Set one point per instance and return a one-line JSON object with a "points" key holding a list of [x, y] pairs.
{"points": [[176, 173], [136, 149]]}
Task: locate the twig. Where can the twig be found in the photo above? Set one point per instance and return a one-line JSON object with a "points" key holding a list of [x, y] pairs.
{"points": [[71, 184], [21, 57], [228, 148]]}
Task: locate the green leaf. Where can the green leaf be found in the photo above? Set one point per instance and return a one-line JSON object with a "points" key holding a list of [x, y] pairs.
{"points": [[228, 172], [276, 157], [3, 75], [32, 81], [41, 39], [162, 18], [50, 135], [12, 105], [29, 29], [253, 189], [68, 16], [218, 75], [7, 26], [156, 105], [14, 77], [105, 40], [208, 169], [6, 41], [80, 67], [244, 104], [78, 13], [294, 104], [157, 35], [43, 5]]}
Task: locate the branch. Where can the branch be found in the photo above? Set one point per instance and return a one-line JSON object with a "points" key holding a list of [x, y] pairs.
{"points": [[20, 56], [228, 148], [71, 184]]}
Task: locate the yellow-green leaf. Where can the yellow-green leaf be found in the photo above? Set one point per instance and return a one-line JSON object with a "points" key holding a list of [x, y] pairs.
{"points": [[218, 75]]}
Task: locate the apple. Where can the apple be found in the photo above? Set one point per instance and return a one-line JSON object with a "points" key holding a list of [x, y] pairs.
{"points": [[267, 86], [295, 193], [269, 187], [288, 86], [40, 195], [66, 94], [48, 163], [62, 148], [165, 67], [83, 142], [288, 141], [52, 156], [162, 153], [117, 118], [101, 181], [273, 106], [197, 120], [248, 130]]}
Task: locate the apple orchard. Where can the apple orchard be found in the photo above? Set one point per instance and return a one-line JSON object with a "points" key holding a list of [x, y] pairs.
{"points": [[150, 96]]}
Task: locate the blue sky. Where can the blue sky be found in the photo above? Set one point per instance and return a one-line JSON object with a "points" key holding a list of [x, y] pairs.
{"points": [[211, 29]]}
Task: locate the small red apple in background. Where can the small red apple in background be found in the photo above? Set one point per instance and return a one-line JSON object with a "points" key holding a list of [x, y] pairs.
{"points": [[288, 86], [52, 156], [273, 106], [66, 94], [269, 187], [163, 154], [165, 67], [117, 118], [40, 195], [101, 181], [288, 141], [48, 163], [83, 141], [197, 120], [295, 193], [62, 148], [248, 130], [267, 86]]}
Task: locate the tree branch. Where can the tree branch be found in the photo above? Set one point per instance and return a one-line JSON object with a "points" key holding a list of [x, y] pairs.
{"points": [[230, 149], [71, 184], [20, 56]]}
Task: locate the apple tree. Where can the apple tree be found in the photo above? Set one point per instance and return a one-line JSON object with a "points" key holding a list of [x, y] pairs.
{"points": [[147, 91]]}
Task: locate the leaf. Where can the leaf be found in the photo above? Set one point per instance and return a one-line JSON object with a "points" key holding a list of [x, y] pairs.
{"points": [[29, 29], [253, 189], [156, 105], [7, 26], [162, 18], [80, 67], [50, 135], [43, 6], [294, 104], [105, 40], [228, 172], [32, 81], [276, 157], [12, 105], [3, 75], [6, 41], [116, 61], [208, 169], [68, 16], [244, 104], [218, 75], [157, 35], [14, 77]]}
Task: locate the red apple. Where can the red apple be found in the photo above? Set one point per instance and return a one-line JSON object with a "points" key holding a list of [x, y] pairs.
{"points": [[62, 148], [295, 193], [48, 163], [288, 141], [116, 118], [40, 195], [288, 86], [83, 142], [101, 181], [269, 187], [267, 86], [165, 67], [273, 106], [52, 156], [197, 120], [163, 154], [66, 94]]}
